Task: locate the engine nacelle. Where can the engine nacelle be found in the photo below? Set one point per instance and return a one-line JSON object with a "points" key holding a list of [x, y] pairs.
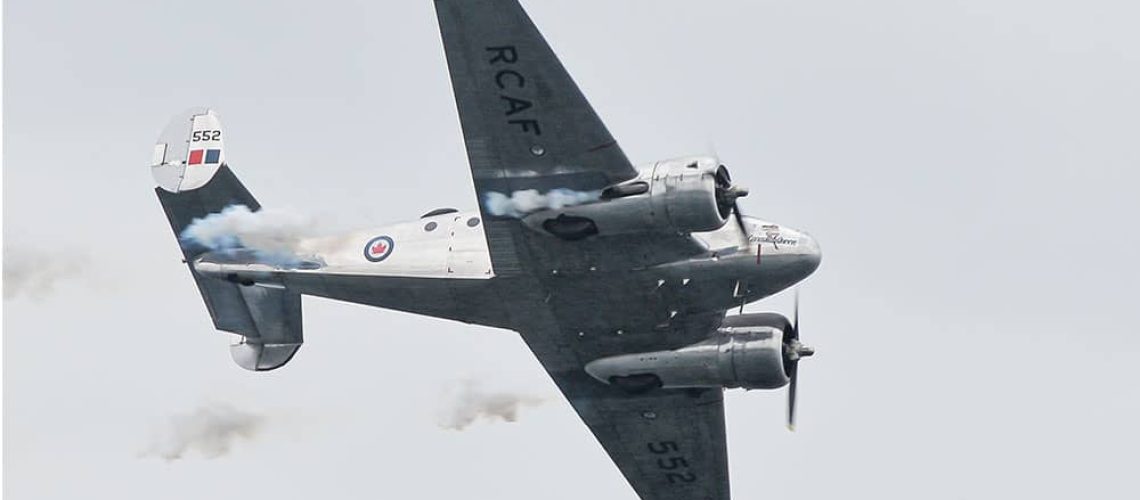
{"points": [[683, 195], [748, 351]]}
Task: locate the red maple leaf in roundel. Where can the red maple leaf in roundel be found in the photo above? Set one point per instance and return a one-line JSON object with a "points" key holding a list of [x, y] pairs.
{"points": [[379, 248]]}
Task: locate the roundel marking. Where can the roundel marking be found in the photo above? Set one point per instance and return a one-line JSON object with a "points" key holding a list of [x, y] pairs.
{"points": [[378, 248]]}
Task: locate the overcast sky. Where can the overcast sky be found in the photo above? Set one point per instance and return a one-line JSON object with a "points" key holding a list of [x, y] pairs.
{"points": [[969, 167]]}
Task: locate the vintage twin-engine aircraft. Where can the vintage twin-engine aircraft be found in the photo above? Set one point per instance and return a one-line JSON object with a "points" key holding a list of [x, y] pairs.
{"points": [[618, 278]]}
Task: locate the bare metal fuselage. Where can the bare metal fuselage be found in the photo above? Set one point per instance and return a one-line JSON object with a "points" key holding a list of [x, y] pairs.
{"points": [[440, 266]]}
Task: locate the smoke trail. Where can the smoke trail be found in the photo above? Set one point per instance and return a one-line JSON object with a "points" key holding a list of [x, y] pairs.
{"points": [[469, 402], [36, 272], [273, 235], [211, 431], [521, 203]]}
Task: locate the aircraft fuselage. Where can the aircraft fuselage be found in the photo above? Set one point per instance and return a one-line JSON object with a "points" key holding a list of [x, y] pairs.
{"points": [[439, 265]]}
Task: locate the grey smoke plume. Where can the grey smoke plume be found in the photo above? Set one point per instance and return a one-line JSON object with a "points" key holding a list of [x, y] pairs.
{"points": [[521, 203], [36, 272], [468, 402], [211, 431], [274, 235]]}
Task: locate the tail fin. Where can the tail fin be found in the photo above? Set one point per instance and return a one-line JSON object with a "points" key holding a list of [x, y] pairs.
{"points": [[194, 181]]}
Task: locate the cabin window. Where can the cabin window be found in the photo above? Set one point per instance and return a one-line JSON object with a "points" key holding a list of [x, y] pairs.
{"points": [[472, 222], [430, 226]]}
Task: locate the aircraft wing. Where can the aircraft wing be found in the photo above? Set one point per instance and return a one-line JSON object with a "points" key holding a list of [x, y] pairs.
{"points": [[527, 126], [669, 445], [525, 122]]}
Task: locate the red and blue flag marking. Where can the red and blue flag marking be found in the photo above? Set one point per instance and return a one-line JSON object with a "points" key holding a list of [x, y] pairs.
{"points": [[199, 156]]}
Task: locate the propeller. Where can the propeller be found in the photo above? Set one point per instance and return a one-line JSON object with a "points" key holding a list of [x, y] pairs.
{"points": [[726, 196], [793, 351]]}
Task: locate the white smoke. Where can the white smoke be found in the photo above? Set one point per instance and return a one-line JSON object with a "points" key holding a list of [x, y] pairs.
{"points": [[211, 431], [469, 401], [521, 203], [35, 273], [274, 235]]}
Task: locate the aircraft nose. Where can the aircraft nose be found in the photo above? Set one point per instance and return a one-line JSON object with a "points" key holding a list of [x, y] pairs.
{"points": [[790, 254], [811, 252], [806, 254]]}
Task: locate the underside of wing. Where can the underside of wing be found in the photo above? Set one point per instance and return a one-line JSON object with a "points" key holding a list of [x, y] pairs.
{"points": [[527, 126], [531, 138], [669, 444]]}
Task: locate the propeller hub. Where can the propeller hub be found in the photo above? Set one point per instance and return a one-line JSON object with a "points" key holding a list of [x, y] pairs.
{"points": [[794, 350], [726, 198]]}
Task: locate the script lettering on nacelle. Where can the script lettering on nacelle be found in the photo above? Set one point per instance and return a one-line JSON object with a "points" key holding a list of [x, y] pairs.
{"points": [[508, 80]]}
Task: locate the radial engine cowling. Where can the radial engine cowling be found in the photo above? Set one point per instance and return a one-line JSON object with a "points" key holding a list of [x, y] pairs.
{"points": [[683, 195], [749, 351]]}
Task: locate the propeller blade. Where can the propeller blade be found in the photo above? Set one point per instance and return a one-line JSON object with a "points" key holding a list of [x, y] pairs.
{"points": [[710, 149], [727, 196], [739, 216], [796, 313], [796, 352], [740, 223], [794, 376]]}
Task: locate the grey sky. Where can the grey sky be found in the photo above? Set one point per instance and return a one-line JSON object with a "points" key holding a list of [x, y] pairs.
{"points": [[969, 168]]}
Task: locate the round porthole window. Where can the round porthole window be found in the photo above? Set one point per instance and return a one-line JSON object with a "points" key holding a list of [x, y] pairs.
{"points": [[430, 226], [472, 222]]}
